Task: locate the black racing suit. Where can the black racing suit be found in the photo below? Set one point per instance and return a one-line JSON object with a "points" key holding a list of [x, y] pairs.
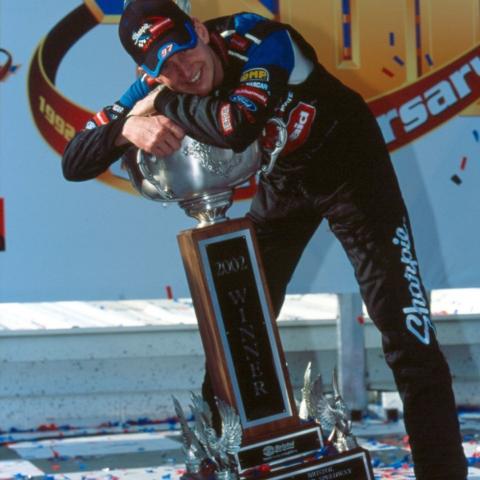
{"points": [[334, 166]]}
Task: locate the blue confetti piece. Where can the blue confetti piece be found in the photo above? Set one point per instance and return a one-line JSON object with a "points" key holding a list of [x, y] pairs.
{"points": [[391, 39], [476, 135], [399, 60], [272, 5], [429, 59]]}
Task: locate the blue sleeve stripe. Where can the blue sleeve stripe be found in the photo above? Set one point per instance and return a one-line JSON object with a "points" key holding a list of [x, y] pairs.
{"points": [[138, 90]]}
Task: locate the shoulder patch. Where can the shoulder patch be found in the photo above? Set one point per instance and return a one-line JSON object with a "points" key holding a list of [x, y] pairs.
{"points": [[239, 42], [254, 74]]}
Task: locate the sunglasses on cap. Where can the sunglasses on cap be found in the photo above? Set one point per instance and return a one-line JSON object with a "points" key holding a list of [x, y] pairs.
{"points": [[169, 48]]}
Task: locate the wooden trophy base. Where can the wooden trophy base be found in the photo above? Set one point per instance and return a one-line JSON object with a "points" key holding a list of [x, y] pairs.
{"points": [[244, 357]]}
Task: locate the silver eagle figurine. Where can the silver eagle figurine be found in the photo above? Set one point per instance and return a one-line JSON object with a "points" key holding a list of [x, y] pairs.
{"points": [[342, 436], [201, 442], [192, 448], [331, 414]]}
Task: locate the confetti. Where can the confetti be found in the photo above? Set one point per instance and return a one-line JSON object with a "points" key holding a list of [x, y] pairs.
{"points": [[429, 60], [464, 163], [387, 72], [397, 59], [391, 39], [456, 179], [476, 135]]}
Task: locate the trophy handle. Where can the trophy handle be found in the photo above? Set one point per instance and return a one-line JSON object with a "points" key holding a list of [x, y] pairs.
{"points": [[280, 142], [141, 166]]}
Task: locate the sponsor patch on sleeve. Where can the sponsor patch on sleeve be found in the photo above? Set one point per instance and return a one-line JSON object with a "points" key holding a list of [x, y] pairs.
{"points": [[225, 114], [260, 85], [101, 118], [256, 95], [255, 74], [239, 42], [299, 125], [244, 102]]}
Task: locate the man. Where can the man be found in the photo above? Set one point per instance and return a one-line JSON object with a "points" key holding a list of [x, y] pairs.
{"points": [[221, 81]]}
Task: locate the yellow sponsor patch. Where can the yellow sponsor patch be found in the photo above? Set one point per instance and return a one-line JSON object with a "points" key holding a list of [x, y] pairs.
{"points": [[255, 74]]}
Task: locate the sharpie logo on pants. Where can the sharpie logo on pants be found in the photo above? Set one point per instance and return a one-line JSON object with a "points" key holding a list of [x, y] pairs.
{"points": [[417, 314]]}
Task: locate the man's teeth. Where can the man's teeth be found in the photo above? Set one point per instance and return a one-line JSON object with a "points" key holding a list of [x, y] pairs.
{"points": [[195, 77]]}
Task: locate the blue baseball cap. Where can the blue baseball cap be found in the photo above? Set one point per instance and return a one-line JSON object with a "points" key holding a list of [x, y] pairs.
{"points": [[151, 31]]}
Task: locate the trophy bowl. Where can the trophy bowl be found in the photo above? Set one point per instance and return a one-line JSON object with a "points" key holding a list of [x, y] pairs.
{"points": [[195, 170], [201, 177]]}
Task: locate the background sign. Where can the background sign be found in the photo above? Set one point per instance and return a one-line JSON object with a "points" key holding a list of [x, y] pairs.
{"points": [[417, 62]]}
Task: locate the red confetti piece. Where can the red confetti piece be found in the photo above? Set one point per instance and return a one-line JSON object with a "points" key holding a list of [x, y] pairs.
{"points": [[47, 427], [464, 163], [168, 288], [388, 72], [55, 453], [361, 320]]}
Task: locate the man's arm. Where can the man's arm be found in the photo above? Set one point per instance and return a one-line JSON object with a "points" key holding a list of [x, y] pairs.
{"points": [[113, 130], [93, 150]]}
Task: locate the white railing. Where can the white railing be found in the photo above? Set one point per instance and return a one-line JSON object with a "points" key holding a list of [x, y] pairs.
{"points": [[83, 363]]}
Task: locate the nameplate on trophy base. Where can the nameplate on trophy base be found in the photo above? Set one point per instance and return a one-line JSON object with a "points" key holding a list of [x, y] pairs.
{"points": [[352, 465], [240, 337], [281, 449]]}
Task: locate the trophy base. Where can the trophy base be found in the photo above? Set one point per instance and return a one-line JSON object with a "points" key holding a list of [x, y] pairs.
{"points": [[278, 450], [352, 465]]}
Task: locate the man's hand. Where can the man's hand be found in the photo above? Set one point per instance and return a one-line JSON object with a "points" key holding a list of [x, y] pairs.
{"points": [[146, 106], [157, 134]]}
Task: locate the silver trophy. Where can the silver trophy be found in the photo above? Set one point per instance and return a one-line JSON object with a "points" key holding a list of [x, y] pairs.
{"points": [[201, 177], [201, 441], [331, 413]]}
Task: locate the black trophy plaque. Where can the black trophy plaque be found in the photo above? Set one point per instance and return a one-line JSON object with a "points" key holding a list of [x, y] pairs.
{"points": [[241, 340], [352, 465]]}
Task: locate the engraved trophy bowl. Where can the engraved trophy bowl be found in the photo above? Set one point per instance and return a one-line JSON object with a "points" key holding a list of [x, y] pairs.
{"points": [[200, 177]]}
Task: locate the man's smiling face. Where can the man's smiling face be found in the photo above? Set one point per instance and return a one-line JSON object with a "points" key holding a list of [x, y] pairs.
{"points": [[195, 71]]}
